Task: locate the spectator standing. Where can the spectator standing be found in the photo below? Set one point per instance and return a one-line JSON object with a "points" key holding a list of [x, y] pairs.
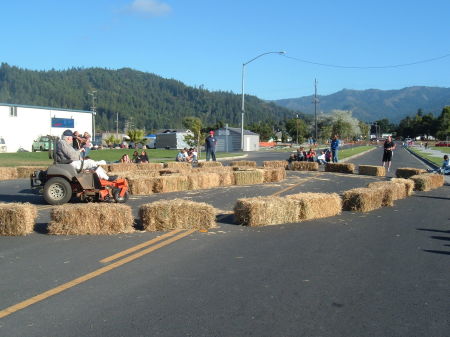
{"points": [[389, 146], [335, 143], [210, 144]]}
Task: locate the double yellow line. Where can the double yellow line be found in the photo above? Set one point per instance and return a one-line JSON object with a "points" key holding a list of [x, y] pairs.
{"points": [[172, 238]]}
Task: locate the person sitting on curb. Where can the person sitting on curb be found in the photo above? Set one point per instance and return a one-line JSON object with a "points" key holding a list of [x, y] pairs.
{"points": [[444, 169], [321, 159], [66, 154]]}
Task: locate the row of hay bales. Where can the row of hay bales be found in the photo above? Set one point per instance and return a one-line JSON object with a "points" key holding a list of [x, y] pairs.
{"points": [[19, 172], [98, 218]]}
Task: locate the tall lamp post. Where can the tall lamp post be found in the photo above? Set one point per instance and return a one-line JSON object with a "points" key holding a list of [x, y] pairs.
{"points": [[92, 93], [243, 97]]}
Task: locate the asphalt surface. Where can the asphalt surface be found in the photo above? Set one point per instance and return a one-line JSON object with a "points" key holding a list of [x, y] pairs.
{"points": [[382, 273]]}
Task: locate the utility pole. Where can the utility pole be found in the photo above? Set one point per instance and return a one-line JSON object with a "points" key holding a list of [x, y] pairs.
{"points": [[92, 93], [117, 126], [315, 101]]}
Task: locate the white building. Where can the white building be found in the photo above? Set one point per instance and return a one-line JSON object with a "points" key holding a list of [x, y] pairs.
{"points": [[20, 125], [229, 140]]}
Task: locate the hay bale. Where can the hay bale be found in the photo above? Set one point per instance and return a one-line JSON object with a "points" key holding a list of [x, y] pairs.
{"points": [[26, 171], [202, 164], [141, 185], [393, 190], [340, 167], [203, 181], [407, 172], [274, 174], [262, 211], [168, 172], [371, 170], [428, 181], [17, 219], [149, 166], [241, 163], [8, 173], [226, 178], [304, 166], [93, 218], [408, 185], [248, 177], [316, 205], [178, 165], [170, 183], [137, 174], [275, 164], [363, 199], [167, 215], [122, 167]]}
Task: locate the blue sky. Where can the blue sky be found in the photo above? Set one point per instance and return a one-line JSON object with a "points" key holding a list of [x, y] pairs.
{"points": [[205, 42]]}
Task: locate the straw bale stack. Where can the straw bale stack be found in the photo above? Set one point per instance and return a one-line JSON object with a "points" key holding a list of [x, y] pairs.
{"points": [[173, 214], [274, 174], [141, 185], [150, 166], [363, 199], [340, 167], [170, 184], [8, 173], [275, 164], [248, 177], [122, 167], [226, 178], [26, 171], [428, 181], [408, 184], [304, 166], [136, 174], [317, 205], [94, 218], [202, 181], [243, 163], [371, 170], [168, 172], [394, 190], [178, 165], [17, 219], [202, 164], [407, 172], [262, 211]]}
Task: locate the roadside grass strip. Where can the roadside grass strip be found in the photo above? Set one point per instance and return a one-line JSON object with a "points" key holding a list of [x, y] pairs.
{"points": [[340, 167], [407, 172], [17, 219], [371, 170], [303, 166], [427, 181], [177, 214], [363, 199], [93, 218], [275, 164], [316, 205]]}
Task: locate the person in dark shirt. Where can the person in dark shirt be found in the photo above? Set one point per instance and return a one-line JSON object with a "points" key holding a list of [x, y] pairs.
{"points": [[335, 143], [389, 146], [210, 145]]}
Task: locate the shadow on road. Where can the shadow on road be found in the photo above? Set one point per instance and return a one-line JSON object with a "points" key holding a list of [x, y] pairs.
{"points": [[35, 199], [432, 230], [436, 251], [431, 197]]}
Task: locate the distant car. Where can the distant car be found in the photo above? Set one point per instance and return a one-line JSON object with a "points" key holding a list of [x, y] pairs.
{"points": [[443, 144], [3, 147], [42, 144]]}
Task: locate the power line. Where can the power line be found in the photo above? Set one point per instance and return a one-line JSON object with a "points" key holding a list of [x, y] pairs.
{"points": [[368, 67]]}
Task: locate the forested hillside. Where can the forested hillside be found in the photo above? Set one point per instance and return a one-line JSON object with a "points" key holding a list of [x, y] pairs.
{"points": [[147, 100]]}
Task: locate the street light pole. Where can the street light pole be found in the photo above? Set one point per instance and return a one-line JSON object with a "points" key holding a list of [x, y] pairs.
{"points": [[243, 96]]}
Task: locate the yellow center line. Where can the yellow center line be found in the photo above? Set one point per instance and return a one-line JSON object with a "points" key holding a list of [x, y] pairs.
{"points": [[84, 278], [40, 208], [137, 247], [302, 180]]}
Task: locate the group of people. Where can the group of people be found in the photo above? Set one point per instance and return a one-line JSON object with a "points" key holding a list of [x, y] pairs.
{"points": [[137, 158], [82, 142], [325, 156], [187, 155], [70, 150]]}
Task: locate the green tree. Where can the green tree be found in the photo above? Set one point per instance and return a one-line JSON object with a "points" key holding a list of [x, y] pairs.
{"points": [[195, 125], [264, 130], [444, 124], [137, 136], [297, 129]]}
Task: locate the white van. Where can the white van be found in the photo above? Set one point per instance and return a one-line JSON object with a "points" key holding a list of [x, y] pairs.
{"points": [[3, 147]]}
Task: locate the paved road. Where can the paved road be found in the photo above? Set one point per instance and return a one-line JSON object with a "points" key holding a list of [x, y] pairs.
{"points": [[383, 273]]}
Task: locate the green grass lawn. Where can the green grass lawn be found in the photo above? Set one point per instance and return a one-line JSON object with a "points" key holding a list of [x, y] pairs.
{"points": [[345, 153], [442, 149], [437, 160], [41, 158]]}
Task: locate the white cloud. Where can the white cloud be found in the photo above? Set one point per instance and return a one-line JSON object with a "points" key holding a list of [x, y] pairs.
{"points": [[149, 8]]}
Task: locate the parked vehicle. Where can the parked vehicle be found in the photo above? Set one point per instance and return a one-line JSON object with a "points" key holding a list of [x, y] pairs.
{"points": [[42, 144], [3, 147], [443, 144]]}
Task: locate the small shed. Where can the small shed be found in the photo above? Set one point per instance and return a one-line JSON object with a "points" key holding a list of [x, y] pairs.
{"points": [[172, 139], [229, 140]]}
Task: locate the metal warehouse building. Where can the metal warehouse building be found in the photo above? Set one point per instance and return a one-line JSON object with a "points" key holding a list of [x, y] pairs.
{"points": [[20, 125], [229, 140]]}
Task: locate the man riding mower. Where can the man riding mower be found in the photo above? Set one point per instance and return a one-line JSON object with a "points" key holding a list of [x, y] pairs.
{"points": [[71, 177]]}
